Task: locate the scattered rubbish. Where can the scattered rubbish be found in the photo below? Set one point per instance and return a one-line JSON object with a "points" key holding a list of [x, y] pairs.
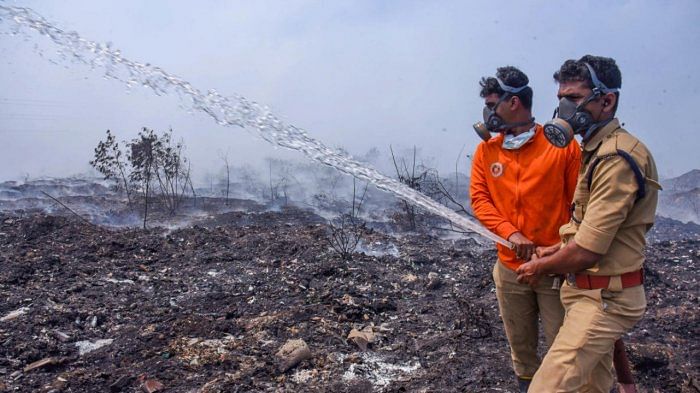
{"points": [[433, 281], [89, 346], [152, 386], [213, 337], [121, 383], [378, 249], [14, 314], [380, 372], [292, 353], [200, 352], [362, 338], [115, 281], [46, 362], [304, 376], [409, 278], [60, 336]]}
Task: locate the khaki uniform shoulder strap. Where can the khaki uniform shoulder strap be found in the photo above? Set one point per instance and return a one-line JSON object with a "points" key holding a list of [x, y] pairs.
{"points": [[621, 144]]}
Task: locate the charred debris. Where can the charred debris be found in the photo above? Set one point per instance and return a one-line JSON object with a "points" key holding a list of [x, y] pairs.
{"points": [[256, 300], [344, 291]]}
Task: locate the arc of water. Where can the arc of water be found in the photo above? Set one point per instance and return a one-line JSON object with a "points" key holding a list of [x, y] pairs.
{"points": [[226, 111]]}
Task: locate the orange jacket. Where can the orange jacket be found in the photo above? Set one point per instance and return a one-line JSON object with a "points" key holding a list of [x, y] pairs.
{"points": [[528, 190]]}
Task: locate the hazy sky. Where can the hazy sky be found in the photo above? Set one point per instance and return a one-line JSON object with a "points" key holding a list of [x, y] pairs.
{"points": [[355, 74]]}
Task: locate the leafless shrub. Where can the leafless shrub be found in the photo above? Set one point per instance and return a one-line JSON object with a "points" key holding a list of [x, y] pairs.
{"points": [[347, 229], [327, 179], [410, 178], [280, 180], [227, 167], [250, 180], [427, 181]]}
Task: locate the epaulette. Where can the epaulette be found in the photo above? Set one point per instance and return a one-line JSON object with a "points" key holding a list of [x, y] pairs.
{"points": [[619, 143]]}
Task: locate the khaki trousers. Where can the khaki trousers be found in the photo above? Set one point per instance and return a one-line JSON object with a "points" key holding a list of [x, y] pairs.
{"points": [[580, 359], [520, 305]]}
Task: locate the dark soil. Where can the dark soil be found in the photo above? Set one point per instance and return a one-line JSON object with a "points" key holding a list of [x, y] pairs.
{"points": [[205, 308]]}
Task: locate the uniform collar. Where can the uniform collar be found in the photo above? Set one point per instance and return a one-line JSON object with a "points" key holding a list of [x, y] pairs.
{"points": [[598, 137]]}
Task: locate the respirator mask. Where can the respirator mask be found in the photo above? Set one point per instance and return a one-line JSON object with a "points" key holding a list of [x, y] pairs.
{"points": [[494, 123], [570, 119]]}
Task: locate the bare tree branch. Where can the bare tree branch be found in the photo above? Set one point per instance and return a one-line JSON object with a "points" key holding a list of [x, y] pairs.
{"points": [[70, 210]]}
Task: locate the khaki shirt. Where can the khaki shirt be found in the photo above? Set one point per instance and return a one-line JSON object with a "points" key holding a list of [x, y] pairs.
{"points": [[608, 219]]}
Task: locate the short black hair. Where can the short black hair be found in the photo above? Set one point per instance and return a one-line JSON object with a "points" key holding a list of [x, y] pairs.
{"points": [[605, 68], [512, 77]]}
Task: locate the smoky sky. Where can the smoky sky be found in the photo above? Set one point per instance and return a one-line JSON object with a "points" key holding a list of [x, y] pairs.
{"points": [[354, 74]]}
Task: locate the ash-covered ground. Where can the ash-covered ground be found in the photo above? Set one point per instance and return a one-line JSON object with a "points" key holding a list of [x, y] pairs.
{"points": [[207, 306]]}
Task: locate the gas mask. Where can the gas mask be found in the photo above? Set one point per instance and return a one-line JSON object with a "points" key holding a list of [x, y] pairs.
{"points": [[494, 123], [570, 119]]}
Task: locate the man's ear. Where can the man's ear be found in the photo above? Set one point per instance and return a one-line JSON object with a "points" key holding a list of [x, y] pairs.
{"points": [[609, 101], [515, 103]]}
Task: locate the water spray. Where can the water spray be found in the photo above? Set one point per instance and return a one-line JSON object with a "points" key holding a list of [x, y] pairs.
{"points": [[226, 111]]}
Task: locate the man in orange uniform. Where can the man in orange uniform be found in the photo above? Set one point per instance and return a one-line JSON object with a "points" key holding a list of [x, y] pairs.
{"points": [[521, 189]]}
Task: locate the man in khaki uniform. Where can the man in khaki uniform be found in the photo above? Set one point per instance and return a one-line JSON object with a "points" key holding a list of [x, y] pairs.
{"points": [[602, 248]]}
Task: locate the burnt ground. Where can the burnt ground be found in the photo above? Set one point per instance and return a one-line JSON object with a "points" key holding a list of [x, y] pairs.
{"points": [[205, 309]]}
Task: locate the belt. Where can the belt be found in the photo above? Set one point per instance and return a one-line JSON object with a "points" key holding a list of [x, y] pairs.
{"points": [[586, 281]]}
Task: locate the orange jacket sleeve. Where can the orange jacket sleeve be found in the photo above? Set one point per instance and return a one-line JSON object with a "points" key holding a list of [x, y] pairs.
{"points": [[482, 203]]}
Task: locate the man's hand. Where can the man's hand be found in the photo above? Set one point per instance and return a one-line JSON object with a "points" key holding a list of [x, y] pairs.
{"points": [[528, 272], [546, 251], [569, 259], [523, 247]]}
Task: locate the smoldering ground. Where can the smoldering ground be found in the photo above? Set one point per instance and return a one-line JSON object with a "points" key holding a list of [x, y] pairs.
{"points": [[206, 305]]}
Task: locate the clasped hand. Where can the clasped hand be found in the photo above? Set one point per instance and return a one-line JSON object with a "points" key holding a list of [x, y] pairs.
{"points": [[529, 272]]}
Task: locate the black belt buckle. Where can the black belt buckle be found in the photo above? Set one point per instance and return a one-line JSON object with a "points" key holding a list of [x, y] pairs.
{"points": [[571, 279]]}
